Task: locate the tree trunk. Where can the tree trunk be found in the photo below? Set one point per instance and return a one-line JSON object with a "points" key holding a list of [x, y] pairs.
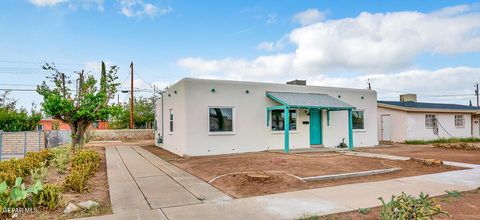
{"points": [[78, 134]]}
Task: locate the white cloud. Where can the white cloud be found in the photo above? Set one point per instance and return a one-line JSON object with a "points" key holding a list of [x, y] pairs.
{"points": [[382, 42], [309, 16], [268, 46], [429, 85], [138, 8], [271, 19], [43, 3], [72, 4], [87, 4], [273, 46], [262, 68]]}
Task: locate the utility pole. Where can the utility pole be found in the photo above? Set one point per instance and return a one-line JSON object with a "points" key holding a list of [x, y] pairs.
{"points": [[476, 92], [131, 96]]}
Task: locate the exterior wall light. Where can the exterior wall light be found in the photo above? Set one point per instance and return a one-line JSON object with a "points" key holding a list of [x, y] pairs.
{"points": [[213, 90]]}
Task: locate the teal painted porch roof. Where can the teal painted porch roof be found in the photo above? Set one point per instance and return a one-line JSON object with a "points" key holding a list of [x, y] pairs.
{"points": [[308, 100]]}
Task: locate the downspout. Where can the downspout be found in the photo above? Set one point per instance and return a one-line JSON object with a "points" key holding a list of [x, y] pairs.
{"points": [[286, 126], [163, 115], [350, 129]]}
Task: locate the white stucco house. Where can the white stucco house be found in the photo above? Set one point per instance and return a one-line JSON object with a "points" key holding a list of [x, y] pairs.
{"points": [[207, 117], [407, 119]]}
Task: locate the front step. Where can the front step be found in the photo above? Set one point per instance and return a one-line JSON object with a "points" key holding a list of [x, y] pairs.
{"points": [[317, 146]]}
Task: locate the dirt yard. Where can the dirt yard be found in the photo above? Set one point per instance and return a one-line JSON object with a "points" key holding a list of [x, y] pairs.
{"points": [[465, 207], [279, 165], [427, 152]]}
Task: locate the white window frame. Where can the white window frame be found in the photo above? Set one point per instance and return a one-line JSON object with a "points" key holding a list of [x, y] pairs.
{"points": [[171, 120], [427, 124], [359, 129], [283, 131], [462, 119], [217, 133]]}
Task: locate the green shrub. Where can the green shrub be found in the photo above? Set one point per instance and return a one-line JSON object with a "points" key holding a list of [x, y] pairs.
{"points": [[364, 211], [48, 197], [13, 168], [409, 207], [39, 173], [86, 156], [84, 165], [342, 145], [453, 194], [61, 157], [77, 179]]}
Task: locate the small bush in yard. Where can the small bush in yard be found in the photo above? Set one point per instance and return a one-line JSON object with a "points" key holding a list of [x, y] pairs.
{"points": [[453, 194], [342, 145], [86, 156], [77, 179], [84, 165], [61, 157], [13, 168], [48, 197], [408, 207], [364, 211], [39, 173]]}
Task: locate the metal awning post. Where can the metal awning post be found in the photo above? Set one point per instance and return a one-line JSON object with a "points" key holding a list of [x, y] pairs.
{"points": [[286, 125], [350, 130]]}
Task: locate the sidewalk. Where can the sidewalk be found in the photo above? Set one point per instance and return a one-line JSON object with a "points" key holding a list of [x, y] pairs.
{"points": [[143, 186]]}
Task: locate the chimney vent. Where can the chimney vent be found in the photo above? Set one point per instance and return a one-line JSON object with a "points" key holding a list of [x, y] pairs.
{"points": [[408, 98], [298, 82]]}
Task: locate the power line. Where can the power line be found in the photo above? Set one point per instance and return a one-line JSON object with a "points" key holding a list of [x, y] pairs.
{"points": [[36, 62]]}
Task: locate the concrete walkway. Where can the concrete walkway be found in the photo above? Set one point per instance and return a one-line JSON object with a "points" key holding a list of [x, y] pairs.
{"points": [[143, 186]]}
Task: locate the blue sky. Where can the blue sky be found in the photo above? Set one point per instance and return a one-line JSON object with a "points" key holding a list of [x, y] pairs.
{"points": [[250, 40]]}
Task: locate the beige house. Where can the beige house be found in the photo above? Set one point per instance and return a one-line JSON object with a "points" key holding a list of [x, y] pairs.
{"points": [[408, 119]]}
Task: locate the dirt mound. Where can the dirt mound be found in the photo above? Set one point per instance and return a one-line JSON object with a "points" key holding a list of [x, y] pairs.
{"points": [[428, 162]]}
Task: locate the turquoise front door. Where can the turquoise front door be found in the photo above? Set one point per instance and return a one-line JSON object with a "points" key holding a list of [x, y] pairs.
{"points": [[315, 127]]}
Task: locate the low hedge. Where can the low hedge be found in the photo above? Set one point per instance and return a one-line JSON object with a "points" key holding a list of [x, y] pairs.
{"points": [[444, 140], [84, 166], [13, 168]]}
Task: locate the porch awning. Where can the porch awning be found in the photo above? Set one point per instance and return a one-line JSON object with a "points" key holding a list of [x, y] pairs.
{"points": [[309, 100]]}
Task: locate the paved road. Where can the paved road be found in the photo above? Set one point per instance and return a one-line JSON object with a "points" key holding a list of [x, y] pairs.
{"points": [[143, 186]]}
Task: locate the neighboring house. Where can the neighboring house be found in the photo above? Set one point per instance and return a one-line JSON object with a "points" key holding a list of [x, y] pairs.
{"points": [[206, 117], [408, 119], [48, 124]]}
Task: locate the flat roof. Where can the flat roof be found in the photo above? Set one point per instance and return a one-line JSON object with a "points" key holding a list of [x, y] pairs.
{"points": [[425, 106]]}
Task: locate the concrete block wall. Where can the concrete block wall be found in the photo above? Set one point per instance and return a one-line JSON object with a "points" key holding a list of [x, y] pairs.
{"points": [[16, 143], [120, 135]]}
